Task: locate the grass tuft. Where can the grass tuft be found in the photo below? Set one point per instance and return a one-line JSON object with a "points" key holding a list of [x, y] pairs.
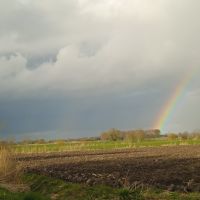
{"points": [[10, 172]]}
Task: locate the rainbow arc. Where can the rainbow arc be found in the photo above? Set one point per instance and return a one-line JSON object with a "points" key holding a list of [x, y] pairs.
{"points": [[175, 98]]}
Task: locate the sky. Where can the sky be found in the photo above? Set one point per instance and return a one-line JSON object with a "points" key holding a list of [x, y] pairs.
{"points": [[75, 68]]}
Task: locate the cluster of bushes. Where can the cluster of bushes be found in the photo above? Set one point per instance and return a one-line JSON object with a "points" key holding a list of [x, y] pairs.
{"points": [[184, 135], [131, 135], [140, 134]]}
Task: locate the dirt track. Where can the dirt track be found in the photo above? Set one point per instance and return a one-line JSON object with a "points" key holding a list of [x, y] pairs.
{"points": [[172, 168]]}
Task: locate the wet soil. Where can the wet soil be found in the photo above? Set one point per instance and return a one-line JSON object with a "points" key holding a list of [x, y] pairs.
{"points": [[172, 168]]}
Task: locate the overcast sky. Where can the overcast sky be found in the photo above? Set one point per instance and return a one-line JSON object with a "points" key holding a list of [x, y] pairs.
{"points": [[74, 68]]}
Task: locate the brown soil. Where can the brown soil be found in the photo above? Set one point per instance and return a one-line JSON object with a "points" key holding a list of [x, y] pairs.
{"points": [[172, 168]]}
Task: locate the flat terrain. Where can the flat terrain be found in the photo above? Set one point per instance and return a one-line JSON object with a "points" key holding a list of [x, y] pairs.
{"points": [[172, 168]]}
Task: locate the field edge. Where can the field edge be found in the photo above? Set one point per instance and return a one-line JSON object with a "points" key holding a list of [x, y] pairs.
{"points": [[46, 188]]}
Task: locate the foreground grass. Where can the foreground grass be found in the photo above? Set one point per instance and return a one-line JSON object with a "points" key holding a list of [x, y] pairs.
{"points": [[7, 195], [46, 188], [99, 145]]}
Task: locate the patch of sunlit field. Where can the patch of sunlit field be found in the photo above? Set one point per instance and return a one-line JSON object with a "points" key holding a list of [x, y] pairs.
{"points": [[98, 145]]}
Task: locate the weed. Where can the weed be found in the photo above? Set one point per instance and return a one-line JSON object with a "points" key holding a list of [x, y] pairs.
{"points": [[131, 194]]}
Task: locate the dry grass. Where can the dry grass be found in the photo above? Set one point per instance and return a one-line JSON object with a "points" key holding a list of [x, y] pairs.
{"points": [[9, 170]]}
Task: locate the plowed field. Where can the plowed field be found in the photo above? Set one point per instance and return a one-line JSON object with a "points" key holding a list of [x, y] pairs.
{"points": [[172, 168]]}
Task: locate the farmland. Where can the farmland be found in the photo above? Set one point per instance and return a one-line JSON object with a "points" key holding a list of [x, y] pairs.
{"points": [[63, 146], [171, 168], [150, 169]]}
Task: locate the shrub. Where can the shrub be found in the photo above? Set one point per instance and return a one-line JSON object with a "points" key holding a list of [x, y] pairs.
{"points": [[184, 136], [152, 133], [135, 136], [195, 135], [172, 136], [112, 134], [130, 194]]}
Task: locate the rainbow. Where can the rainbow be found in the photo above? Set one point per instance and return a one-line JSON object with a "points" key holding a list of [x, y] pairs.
{"points": [[171, 104]]}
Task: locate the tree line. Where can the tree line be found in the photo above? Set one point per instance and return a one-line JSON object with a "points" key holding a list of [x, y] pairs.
{"points": [[131, 135], [184, 135]]}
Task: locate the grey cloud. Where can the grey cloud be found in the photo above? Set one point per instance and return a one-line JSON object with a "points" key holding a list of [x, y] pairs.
{"points": [[86, 48]]}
